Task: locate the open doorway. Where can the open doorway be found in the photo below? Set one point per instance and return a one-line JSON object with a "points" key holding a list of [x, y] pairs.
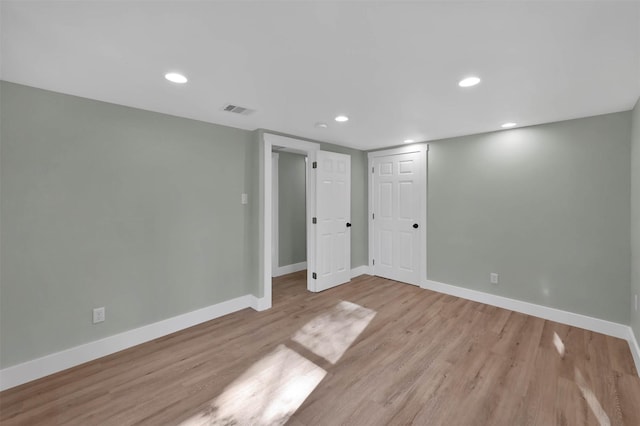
{"points": [[295, 146], [289, 224], [328, 206]]}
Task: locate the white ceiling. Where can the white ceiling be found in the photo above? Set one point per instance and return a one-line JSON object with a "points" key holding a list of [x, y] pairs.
{"points": [[392, 67]]}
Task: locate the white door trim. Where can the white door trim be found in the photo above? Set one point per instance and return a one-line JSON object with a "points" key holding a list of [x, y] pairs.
{"points": [[422, 148], [300, 147], [275, 194]]}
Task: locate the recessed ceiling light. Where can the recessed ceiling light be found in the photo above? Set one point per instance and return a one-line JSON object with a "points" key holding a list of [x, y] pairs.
{"points": [[321, 125], [469, 81], [507, 125], [342, 118], [409, 141], [174, 77]]}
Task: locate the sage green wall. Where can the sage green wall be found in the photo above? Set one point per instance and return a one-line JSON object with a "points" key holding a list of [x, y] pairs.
{"points": [[292, 229], [546, 207], [104, 205], [635, 217]]}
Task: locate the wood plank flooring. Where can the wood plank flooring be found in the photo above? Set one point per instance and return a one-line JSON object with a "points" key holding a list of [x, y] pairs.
{"points": [[372, 352]]}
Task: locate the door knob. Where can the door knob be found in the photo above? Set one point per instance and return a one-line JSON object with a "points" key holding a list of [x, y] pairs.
{"points": [[348, 225], [415, 226]]}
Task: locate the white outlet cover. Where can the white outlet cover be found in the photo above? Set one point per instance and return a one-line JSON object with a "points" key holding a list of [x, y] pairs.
{"points": [[244, 199], [98, 315], [494, 278]]}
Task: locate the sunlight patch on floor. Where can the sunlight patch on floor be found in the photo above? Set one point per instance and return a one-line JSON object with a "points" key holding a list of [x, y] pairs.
{"points": [[268, 393], [557, 342], [591, 399], [274, 387], [330, 334]]}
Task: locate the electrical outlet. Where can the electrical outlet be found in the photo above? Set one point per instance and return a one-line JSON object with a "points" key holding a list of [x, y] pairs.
{"points": [[98, 315], [494, 278], [244, 198]]}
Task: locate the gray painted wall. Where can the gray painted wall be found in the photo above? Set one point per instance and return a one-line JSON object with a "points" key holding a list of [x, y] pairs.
{"points": [[292, 229], [635, 217], [104, 205], [546, 207]]}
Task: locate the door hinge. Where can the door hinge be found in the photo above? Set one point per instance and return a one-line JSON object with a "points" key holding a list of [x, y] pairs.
{"points": [[427, 147], [372, 170], [314, 220], [314, 165], [374, 262], [314, 276], [373, 215]]}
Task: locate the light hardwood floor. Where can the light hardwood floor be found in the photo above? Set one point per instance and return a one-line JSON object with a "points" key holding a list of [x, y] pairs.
{"points": [[373, 352]]}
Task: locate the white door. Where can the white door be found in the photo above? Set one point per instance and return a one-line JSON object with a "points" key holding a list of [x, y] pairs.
{"points": [[333, 217], [397, 220]]}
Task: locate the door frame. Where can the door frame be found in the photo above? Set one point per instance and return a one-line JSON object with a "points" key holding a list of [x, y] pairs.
{"points": [[423, 149], [275, 194], [299, 147]]}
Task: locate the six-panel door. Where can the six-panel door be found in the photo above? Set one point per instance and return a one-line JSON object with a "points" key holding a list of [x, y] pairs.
{"points": [[397, 192], [333, 241]]}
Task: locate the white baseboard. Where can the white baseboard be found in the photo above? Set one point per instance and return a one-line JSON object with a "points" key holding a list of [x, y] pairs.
{"points": [[609, 328], [360, 270], [577, 320], [635, 349], [49, 364], [260, 303], [288, 269]]}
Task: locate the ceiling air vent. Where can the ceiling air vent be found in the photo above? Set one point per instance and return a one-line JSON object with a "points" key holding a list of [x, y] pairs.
{"points": [[237, 109]]}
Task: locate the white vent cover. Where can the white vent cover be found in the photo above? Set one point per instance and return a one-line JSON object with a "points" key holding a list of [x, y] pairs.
{"points": [[237, 109]]}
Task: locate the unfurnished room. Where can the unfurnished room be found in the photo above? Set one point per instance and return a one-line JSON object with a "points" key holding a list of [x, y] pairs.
{"points": [[319, 212]]}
